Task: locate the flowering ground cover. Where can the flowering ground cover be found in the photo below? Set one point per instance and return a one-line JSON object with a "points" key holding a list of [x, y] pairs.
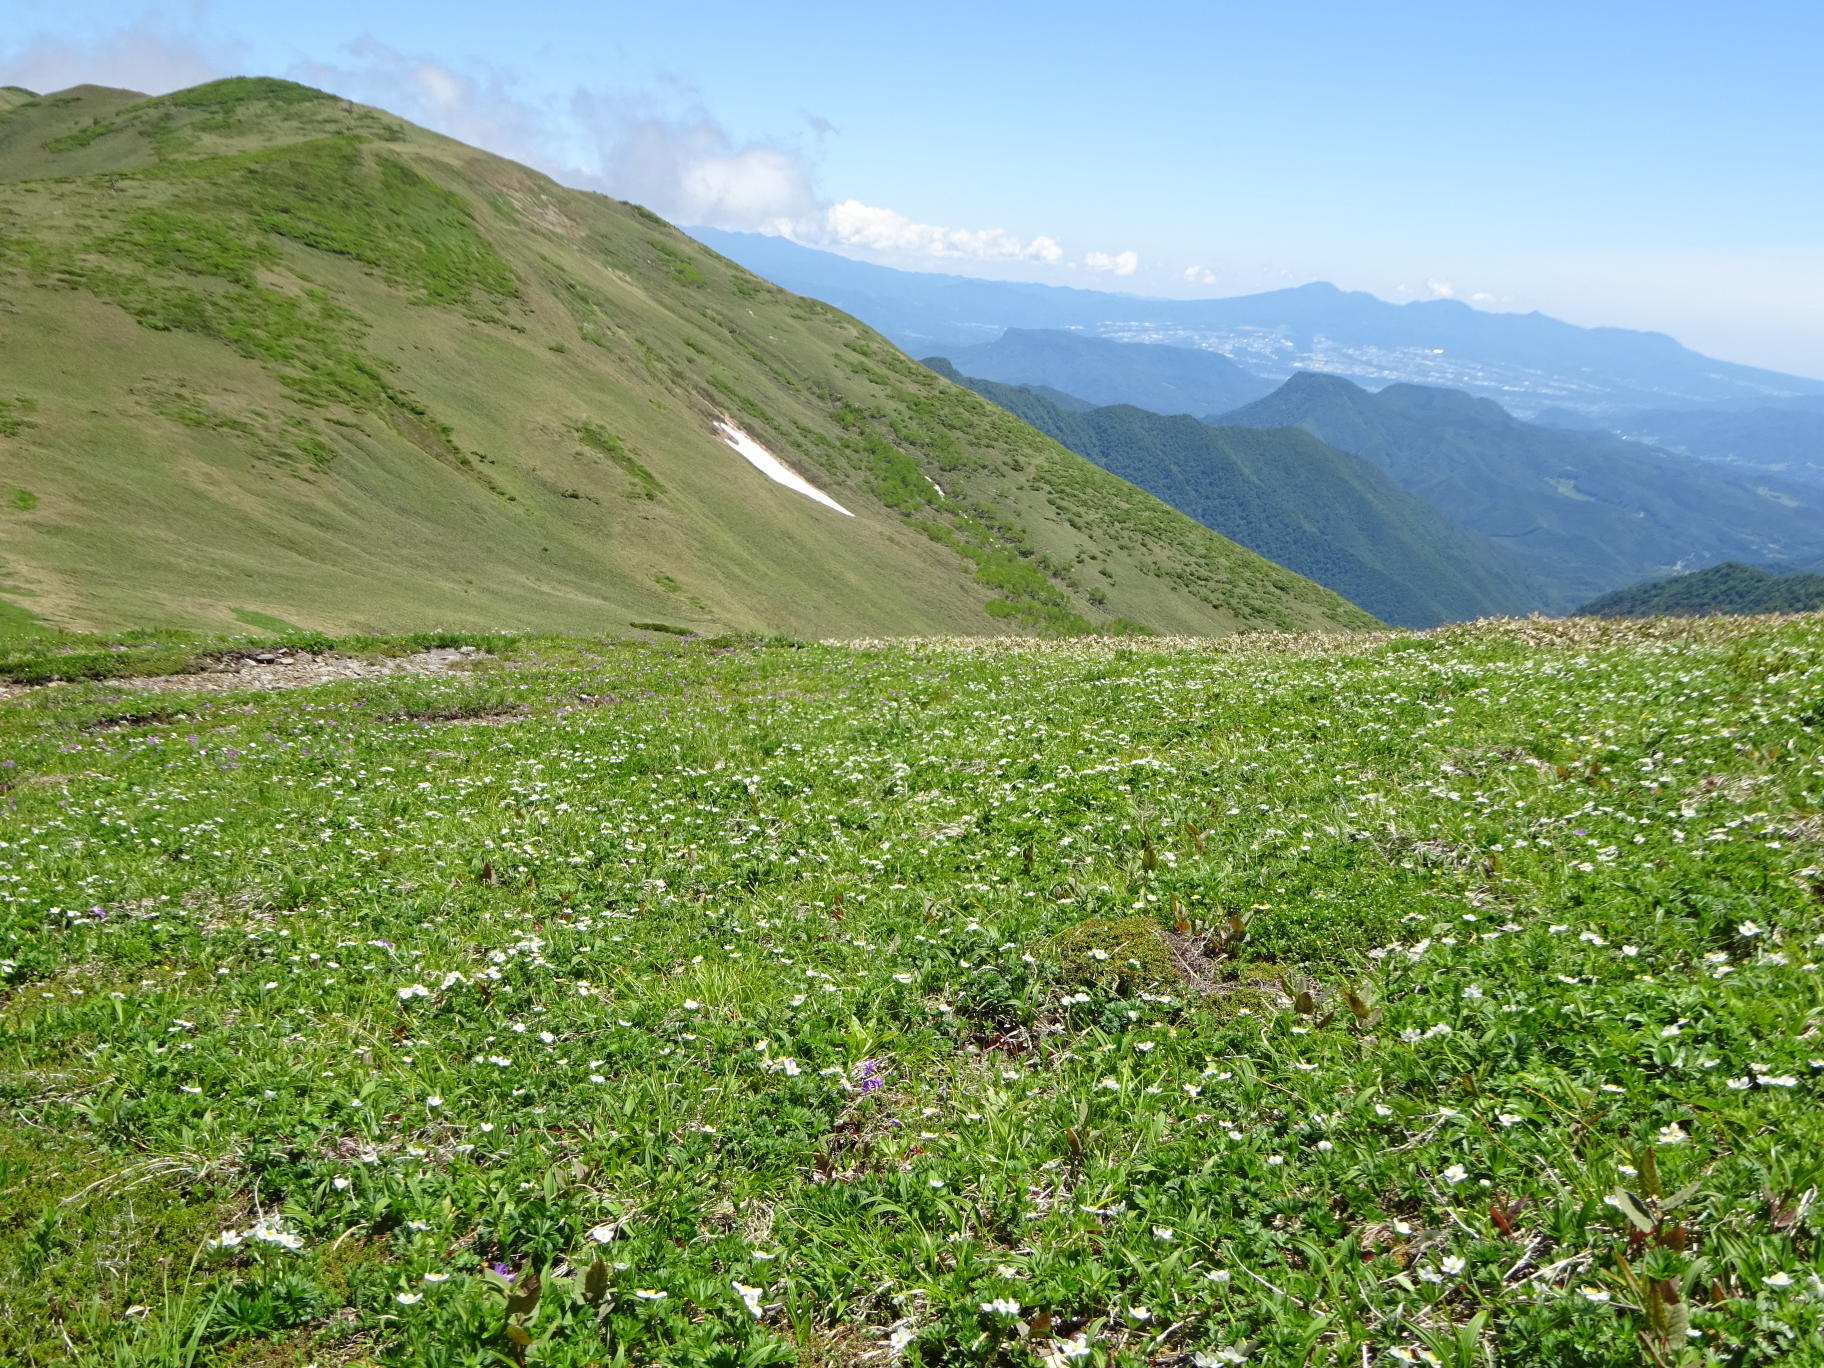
{"points": [[1367, 999]]}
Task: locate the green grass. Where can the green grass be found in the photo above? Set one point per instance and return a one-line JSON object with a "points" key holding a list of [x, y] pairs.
{"points": [[266, 622], [741, 1002]]}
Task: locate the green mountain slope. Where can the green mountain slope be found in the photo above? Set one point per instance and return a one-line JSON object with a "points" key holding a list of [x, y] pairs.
{"points": [[271, 355], [1584, 512], [1728, 588], [1325, 513], [1163, 379]]}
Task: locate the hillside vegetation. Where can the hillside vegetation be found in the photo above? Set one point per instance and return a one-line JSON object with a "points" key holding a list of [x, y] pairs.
{"points": [[276, 360], [1585, 513], [1726, 588], [1327, 514], [1315, 1000]]}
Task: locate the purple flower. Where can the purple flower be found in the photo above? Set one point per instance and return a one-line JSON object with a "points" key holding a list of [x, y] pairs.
{"points": [[1579, 831], [505, 1270], [867, 1075]]}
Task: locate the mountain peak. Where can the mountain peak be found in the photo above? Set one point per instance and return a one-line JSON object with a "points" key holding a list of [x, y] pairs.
{"points": [[1309, 384]]}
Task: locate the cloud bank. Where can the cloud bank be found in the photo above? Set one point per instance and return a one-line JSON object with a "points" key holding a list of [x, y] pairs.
{"points": [[146, 55]]}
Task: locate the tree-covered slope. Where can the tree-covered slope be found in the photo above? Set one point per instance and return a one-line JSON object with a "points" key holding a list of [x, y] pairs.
{"points": [[1585, 512], [1327, 514], [269, 356], [1727, 588], [1163, 379]]}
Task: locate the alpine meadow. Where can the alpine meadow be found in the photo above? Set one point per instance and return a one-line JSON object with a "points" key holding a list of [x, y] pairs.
{"points": [[567, 803]]}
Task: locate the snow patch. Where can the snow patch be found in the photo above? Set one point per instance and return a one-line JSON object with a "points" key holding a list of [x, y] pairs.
{"points": [[773, 468], [935, 485]]}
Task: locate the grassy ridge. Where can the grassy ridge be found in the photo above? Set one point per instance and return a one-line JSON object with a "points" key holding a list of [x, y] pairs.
{"points": [[1298, 1001], [272, 353]]}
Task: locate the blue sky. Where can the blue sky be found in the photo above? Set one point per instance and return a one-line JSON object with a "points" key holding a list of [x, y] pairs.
{"points": [[1641, 165]]}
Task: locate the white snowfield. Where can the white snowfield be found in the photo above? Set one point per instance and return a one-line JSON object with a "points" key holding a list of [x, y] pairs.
{"points": [[773, 468]]}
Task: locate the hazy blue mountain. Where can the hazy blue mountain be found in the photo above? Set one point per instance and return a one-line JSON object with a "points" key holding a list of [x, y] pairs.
{"points": [[1585, 512], [1728, 588], [1785, 442], [1163, 379], [1333, 517], [1526, 361]]}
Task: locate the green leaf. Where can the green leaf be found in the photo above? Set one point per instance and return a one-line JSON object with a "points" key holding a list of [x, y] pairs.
{"points": [[1633, 1208]]}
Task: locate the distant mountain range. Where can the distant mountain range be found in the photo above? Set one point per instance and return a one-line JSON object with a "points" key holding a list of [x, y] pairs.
{"points": [[1728, 588], [1333, 517], [1162, 379], [1584, 512], [1785, 441], [1526, 362]]}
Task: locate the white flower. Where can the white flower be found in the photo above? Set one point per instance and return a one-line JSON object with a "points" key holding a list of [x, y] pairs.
{"points": [[1001, 1306], [749, 1295], [1076, 1347], [1218, 1276], [1162, 1233], [1453, 1264], [1139, 1315], [1595, 1294], [436, 1277], [900, 1337], [413, 990], [409, 1298], [1673, 1134], [647, 1294], [1779, 1280], [1749, 929], [604, 1232], [433, 1101], [339, 1184], [1456, 1173]]}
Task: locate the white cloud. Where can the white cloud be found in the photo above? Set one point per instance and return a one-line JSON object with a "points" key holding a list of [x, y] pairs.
{"points": [[1199, 275], [479, 106], [1121, 263], [665, 150], [146, 55], [853, 224], [1441, 289]]}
